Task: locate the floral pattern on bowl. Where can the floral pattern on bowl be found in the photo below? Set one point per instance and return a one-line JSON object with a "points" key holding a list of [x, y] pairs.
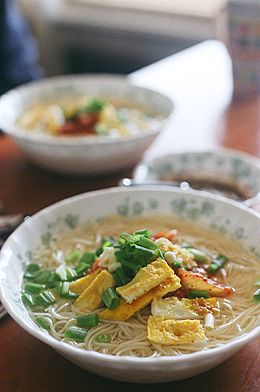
{"points": [[225, 165], [221, 214], [84, 154]]}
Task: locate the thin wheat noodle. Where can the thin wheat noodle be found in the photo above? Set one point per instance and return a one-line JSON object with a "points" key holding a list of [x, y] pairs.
{"points": [[238, 314]]}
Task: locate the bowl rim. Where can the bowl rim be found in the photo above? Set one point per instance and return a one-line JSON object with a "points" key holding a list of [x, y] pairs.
{"points": [[142, 169], [20, 133], [71, 350]]}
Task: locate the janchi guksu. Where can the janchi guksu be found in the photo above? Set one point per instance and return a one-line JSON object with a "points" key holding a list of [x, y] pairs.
{"points": [[147, 286]]}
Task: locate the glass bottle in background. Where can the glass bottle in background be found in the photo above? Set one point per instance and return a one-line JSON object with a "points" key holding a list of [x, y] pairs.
{"points": [[242, 37]]}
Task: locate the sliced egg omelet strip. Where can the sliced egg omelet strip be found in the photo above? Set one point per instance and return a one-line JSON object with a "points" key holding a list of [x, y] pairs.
{"points": [[182, 309], [174, 332], [146, 279], [125, 310], [90, 299], [79, 285]]}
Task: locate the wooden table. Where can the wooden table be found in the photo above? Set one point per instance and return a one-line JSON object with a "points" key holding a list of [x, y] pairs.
{"points": [[200, 82]]}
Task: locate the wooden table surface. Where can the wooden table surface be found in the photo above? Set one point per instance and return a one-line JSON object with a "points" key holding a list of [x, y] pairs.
{"points": [[199, 81]]}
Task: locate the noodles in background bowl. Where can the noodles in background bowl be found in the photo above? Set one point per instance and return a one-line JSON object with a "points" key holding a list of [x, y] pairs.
{"points": [[238, 313]]}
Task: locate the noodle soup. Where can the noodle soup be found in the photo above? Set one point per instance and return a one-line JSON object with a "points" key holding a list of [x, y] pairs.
{"points": [[89, 116], [149, 286]]}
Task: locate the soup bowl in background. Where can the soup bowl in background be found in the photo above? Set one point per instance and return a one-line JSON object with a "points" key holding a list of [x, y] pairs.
{"points": [[210, 211], [82, 154], [223, 171]]}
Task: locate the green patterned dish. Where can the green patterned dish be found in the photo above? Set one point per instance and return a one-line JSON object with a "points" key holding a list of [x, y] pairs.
{"points": [[215, 212], [223, 166], [83, 154]]}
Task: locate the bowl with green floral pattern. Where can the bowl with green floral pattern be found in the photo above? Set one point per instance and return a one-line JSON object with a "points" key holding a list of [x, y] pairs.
{"points": [[84, 124], [43, 231], [223, 171]]}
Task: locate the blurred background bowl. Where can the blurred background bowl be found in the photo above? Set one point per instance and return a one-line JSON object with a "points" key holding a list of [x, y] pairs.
{"points": [[224, 171], [82, 154]]}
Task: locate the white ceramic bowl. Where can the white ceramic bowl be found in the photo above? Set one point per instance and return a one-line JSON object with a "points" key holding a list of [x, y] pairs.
{"points": [[84, 154], [240, 223], [222, 165]]}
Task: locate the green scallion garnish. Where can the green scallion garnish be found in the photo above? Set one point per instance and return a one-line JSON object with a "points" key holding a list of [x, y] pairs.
{"points": [[198, 255], [88, 257], [110, 298], [42, 323], [28, 300], [89, 320], [44, 299], [53, 280], [42, 276], [177, 264], [198, 294], [71, 274], [120, 277], [34, 288], [75, 333], [105, 244], [85, 262], [82, 268], [147, 243], [31, 270], [131, 265], [102, 338], [144, 232], [63, 289], [74, 256], [94, 105], [218, 263], [256, 297]]}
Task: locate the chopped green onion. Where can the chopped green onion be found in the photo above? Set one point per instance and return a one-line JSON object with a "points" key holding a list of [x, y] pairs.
{"points": [[217, 264], [177, 264], [31, 270], [61, 272], [101, 338], [198, 255], [90, 320], [73, 257], [63, 289], [112, 267], [33, 288], [94, 106], [85, 262], [75, 333], [72, 295], [42, 323], [53, 280], [28, 300], [105, 244], [144, 232], [131, 265], [120, 277], [256, 297], [185, 245], [81, 268], [42, 276], [147, 243], [198, 294], [71, 274], [110, 298], [140, 250], [257, 283], [159, 253], [88, 257], [44, 299]]}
